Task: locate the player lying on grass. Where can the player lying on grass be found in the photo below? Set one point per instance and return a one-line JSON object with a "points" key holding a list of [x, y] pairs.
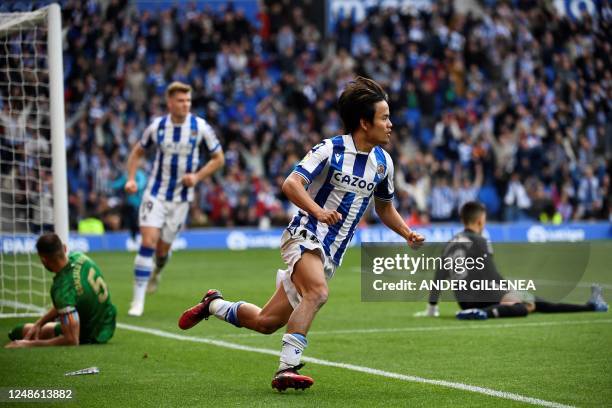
{"points": [[178, 139], [332, 186], [82, 311], [480, 305]]}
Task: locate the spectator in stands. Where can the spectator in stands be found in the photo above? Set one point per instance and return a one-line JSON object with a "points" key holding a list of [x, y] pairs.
{"points": [[518, 90]]}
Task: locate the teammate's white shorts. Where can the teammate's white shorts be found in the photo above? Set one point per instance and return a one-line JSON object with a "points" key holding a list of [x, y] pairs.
{"points": [[293, 246], [168, 216]]}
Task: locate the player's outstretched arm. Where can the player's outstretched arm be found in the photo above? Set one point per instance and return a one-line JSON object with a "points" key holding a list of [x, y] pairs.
{"points": [[132, 165], [217, 160], [392, 219], [293, 188]]}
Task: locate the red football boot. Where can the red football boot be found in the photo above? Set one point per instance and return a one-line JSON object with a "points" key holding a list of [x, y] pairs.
{"points": [[199, 312], [290, 378]]}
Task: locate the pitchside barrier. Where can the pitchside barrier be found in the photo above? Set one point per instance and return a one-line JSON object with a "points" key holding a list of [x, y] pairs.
{"points": [[246, 238]]}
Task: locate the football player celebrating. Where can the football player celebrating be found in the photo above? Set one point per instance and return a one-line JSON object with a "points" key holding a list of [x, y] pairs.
{"points": [[332, 186], [82, 311], [177, 138]]}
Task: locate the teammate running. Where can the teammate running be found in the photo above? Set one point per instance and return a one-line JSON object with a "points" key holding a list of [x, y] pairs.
{"points": [[82, 311], [177, 137], [332, 186]]}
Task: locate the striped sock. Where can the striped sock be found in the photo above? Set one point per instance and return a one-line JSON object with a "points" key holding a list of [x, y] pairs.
{"points": [[292, 349], [143, 265], [224, 310]]}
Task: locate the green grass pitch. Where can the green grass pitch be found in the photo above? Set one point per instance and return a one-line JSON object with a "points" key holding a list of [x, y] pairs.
{"points": [[563, 358]]}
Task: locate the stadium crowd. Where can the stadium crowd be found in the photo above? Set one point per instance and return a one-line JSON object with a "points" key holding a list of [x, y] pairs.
{"points": [[512, 107]]}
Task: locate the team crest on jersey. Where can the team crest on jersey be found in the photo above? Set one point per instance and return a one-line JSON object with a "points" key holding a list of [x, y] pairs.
{"points": [[380, 169]]}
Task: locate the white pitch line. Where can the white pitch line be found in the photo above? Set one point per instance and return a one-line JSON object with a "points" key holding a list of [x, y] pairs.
{"points": [[352, 367], [459, 326]]}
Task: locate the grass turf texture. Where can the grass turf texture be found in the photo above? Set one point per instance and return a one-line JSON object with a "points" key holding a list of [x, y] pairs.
{"points": [[550, 357]]}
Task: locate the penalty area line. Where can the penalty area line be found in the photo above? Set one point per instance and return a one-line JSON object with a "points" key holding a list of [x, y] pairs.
{"points": [[352, 367]]}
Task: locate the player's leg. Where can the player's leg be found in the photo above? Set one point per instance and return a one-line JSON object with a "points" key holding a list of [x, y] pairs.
{"points": [[49, 330], [151, 219], [309, 280], [266, 320], [162, 254], [175, 216], [143, 266], [511, 304], [596, 303]]}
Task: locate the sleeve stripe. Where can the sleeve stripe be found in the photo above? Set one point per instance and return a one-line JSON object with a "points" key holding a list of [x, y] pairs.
{"points": [[303, 173], [70, 318], [390, 198], [217, 147], [67, 309]]}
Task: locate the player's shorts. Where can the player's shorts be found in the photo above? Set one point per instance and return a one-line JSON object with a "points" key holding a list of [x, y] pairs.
{"points": [[293, 245], [104, 331], [169, 216]]}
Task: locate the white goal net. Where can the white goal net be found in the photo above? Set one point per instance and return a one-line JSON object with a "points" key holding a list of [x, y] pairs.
{"points": [[27, 155]]}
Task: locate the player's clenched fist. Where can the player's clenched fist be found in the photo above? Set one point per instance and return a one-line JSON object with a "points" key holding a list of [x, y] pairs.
{"points": [[415, 240], [131, 187], [329, 217], [190, 180]]}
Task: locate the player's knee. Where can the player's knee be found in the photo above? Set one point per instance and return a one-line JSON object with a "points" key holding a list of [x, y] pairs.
{"points": [[317, 295], [149, 241], [268, 326]]}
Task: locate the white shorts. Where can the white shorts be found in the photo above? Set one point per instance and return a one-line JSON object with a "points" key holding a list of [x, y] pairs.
{"points": [[168, 216], [292, 248]]}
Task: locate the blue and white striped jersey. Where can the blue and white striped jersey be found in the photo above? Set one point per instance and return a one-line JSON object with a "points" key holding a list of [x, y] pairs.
{"points": [[178, 153], [343, 179]]}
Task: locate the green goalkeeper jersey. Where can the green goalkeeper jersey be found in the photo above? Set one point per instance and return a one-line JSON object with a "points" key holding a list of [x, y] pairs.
{"points": [[81, 286]]}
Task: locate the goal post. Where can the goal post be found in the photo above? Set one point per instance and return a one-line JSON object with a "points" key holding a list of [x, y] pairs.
{"points": [[33, 180]]}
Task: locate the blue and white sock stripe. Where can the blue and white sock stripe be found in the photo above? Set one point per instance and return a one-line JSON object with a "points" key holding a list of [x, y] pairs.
{"points": [[232, 314], [146, 251], [295, 339], [143, 264]]}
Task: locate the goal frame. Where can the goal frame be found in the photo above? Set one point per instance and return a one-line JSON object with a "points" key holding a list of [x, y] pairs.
{"points": [[51, 16]]}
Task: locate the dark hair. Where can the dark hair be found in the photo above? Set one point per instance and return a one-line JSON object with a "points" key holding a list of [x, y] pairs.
{"points": [[50, 244], [471, 211], [358, 102]]}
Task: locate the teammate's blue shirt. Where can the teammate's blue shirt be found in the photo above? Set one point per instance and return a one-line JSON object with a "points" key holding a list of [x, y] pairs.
{"points": [[178, 153], [344, 179]]}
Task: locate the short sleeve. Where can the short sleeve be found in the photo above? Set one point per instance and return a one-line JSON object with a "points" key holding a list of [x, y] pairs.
{"points": [[209, 137], [148, 135], [385, 188], [315, 160], [63, 295]]}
